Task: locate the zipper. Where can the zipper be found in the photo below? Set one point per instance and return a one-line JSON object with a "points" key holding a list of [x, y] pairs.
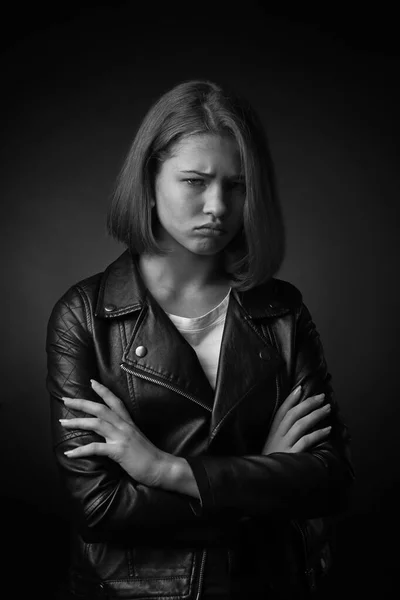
{"points": [[201, 574], [190, 397], [129, 558], [166, 385], [308, 571]]}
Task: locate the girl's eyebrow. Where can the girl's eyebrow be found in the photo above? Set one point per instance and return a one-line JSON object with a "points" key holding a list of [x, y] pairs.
{"points": [[204, 174]]}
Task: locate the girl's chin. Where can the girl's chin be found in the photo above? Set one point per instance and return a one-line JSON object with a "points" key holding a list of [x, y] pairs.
{"points": [[202, 246], [208, 246]]}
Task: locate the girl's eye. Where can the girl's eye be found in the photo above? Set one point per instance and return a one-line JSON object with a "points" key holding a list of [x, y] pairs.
{"points": [[194, 182]]}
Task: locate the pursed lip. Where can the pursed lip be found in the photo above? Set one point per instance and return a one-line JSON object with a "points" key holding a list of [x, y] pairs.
{"points": [[212, 227]]}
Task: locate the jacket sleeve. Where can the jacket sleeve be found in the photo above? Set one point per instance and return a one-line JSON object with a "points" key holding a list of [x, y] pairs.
{"points": [[106, 502], [286, 485]]}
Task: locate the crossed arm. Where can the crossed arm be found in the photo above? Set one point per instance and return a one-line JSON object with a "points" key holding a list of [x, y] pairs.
{"points": [[125, 444]]}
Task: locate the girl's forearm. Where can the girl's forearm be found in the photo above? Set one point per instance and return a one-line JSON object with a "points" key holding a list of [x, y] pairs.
{"points": [[177, 476]]}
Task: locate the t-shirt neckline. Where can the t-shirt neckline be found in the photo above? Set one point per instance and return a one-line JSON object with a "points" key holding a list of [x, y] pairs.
{"points": [[203, 321]]}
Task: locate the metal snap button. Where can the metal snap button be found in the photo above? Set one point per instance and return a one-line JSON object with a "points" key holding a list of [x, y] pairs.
{"points": [[141, 351], [109, 307], [264, 354]]}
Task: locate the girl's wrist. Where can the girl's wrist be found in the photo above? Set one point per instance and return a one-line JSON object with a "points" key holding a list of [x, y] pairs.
{"points": [[177, 476]]}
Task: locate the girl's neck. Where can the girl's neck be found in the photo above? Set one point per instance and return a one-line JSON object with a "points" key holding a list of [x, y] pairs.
{"points": [[181, 273]]}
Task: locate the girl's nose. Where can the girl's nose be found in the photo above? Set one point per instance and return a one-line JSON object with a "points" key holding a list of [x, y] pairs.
{"points": [[215, 201]]}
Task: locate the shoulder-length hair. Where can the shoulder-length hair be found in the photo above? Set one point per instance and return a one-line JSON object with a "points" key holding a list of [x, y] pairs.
{"points": [[192, 108]]}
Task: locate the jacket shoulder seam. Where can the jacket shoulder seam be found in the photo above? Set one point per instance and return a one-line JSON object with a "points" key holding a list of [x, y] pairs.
{"points": [[86, 303]]}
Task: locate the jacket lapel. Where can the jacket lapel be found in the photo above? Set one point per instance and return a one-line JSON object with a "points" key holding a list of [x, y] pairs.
{"points": [[247, 359], [168, 358]]}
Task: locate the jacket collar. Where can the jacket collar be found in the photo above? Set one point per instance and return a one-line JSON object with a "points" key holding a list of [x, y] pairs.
{"points": [[122, 292]]}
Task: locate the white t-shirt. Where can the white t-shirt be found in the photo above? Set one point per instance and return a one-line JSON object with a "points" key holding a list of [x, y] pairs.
{"points": [[204, 334]]}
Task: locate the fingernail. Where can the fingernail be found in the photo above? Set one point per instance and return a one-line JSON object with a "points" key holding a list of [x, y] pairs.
{"points": [[66, 399], [62, 421], [68, 452], [297, 390], [327, 407]]}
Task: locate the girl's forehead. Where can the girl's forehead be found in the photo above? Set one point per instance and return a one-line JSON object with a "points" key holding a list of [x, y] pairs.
{"points": [[206, 141], [207, 149]]}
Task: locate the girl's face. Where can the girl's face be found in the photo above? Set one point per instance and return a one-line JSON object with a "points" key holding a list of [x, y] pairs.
{"points": [[200, 194]]}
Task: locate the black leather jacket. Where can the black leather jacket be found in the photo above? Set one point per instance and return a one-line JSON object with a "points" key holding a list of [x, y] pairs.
{"points": [[132, 541]]}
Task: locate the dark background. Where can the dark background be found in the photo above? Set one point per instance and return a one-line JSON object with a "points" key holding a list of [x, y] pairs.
{"points": [[75, 84]]}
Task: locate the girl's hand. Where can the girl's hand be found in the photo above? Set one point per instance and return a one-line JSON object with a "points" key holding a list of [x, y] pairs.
{"points": [[124, 442], [291, 429]]}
